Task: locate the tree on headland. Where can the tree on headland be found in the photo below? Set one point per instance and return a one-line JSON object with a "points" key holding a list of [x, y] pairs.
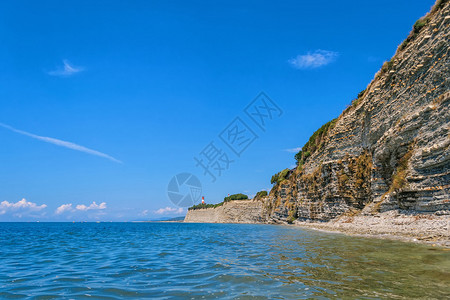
{"points": [[260, 195], [279, 177], [235, 197], [226, 199]]}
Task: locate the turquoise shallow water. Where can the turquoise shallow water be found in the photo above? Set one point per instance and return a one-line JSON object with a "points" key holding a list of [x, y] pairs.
{"points": [[185, 261]]}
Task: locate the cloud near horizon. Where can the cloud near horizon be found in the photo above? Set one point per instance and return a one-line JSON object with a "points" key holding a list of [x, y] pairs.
{"points": [[66, 70], [93, 206], [293, 150], [80, 207], [313, 60], [143, 213], [61, 143], [22, 206], [64, 208], [168, 210]]}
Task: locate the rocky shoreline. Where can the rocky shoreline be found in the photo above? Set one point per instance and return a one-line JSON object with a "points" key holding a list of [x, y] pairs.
{"points": [[433, 229], [418, 228], [388, 151], [382, 168]]}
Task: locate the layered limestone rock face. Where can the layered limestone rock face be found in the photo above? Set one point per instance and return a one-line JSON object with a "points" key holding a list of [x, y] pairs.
{"points": [[238, 211], [390, 150]]}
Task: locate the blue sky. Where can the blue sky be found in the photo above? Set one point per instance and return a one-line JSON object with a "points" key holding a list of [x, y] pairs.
{"points": [[101, 104]]}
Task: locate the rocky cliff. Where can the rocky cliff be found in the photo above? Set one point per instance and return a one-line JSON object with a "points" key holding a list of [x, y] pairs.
{"points": [[390, 148], [239, 211], [388, 151]]}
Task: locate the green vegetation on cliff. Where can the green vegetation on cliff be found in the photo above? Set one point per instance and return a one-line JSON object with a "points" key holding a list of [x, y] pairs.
{"points": [[235, 197], [226, 199], [202, 206], [399, 177], [315, 142], [279, 177], [421, 23], [355, 101], [439, 4], [415, 31], [260, 195]]}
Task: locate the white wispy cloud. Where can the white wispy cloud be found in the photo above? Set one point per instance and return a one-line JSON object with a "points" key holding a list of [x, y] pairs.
{"points": [[93, 206], [167, 210], [22, 205], [61, 143], [143, 213], [293, 150], [312, 60], [64, 208], [65, 70]]}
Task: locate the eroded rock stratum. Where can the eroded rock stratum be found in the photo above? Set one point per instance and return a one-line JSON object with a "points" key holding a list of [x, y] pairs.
{"points": [[388, 151]]}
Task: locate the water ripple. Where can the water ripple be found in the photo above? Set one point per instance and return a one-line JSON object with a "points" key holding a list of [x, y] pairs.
{"points": [[210, 261]]}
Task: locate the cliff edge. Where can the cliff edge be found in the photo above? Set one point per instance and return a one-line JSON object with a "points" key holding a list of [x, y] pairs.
{"points": [[239, 211], [386, 156], [390, 149]]}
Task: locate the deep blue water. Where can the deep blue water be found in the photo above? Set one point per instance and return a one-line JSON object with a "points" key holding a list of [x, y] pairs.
{"points": [[190, 261]]}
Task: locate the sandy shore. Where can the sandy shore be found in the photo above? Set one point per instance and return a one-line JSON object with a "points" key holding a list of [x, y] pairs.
{"points": [[429, 229]]}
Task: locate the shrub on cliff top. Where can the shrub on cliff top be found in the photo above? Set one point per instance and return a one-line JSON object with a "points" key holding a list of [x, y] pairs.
{"points": [[235, 197], [439, 4], [356, 101], [420, 24], [360, 94], [274, 178], [260, 195], [226, 199], [387, 65], [416, 29], [202, 206], [283, 175], [279, 177]]}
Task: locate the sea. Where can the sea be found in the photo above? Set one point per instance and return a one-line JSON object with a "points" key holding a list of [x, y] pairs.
{"points": [[212, 261]]}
